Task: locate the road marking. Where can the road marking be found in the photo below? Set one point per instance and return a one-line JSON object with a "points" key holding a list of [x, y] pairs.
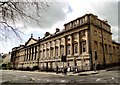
{"points": [[62, 80], [6, 81], [24, 76], [38, 79], [48, 80], [98, 79], [32, 79], [113, 78]]}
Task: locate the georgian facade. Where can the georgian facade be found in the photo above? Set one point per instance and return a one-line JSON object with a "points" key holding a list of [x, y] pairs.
{"points": [[78, 41]]}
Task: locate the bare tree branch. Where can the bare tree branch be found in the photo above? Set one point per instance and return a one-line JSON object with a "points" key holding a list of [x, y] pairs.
{"points": [[12, 29], [12, 13]]}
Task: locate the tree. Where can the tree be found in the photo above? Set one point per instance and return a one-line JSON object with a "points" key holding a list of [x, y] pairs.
{"points": [[16, 15]]}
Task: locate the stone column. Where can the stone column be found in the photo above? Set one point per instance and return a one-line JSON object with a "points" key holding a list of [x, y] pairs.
{"points": [[65, 43], [25, 58], [41, 54], [38, 55], [50, 50], [59, 47], [71, 45], [32, 57], [54, 50], [30, 54], [46, 56], [27, 55], [87, 42], [79, 43]]}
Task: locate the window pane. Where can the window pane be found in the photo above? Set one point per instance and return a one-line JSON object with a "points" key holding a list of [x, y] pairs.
{"points": [[68, 50], [62, 50], [83, 46], [75, 48], [56, 51]]}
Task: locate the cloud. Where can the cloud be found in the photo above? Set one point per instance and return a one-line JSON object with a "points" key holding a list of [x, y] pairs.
{"points": [[60, 12], [54, 14], [119, 21], [38, 15], [108, 11]]}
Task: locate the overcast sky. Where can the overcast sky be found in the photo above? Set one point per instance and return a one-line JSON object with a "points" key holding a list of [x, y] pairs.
{"points": [[64, 11]]}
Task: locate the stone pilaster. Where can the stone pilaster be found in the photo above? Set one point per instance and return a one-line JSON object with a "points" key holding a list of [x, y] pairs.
{"points": [[71, 45], [87, 42], [65, 46], [59, 47], [50, 50], [46, 56], [78, 43], [54, 49]]}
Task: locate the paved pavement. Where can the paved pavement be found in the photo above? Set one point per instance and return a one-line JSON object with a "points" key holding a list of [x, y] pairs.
{"points": [[68, 73], [108, 77]]}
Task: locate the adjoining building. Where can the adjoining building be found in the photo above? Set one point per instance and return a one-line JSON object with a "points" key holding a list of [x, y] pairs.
{"points": [[5, 63], [84, 41]]}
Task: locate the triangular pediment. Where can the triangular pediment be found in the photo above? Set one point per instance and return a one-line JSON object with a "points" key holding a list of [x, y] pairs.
{"points": [[30, 42]]}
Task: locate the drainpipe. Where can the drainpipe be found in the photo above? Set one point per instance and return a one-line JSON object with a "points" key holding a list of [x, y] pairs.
{"points": [[90, 44]]}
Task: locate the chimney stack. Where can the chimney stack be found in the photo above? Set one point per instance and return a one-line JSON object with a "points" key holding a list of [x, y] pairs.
{"points": [[31, 35]]}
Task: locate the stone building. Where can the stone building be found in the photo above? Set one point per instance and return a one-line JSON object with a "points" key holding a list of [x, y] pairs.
{"points": [[6, 58], [80, 42], [5, 62]]}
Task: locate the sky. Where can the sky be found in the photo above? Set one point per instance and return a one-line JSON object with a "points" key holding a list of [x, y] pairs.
{"points": [[63, 11]]}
